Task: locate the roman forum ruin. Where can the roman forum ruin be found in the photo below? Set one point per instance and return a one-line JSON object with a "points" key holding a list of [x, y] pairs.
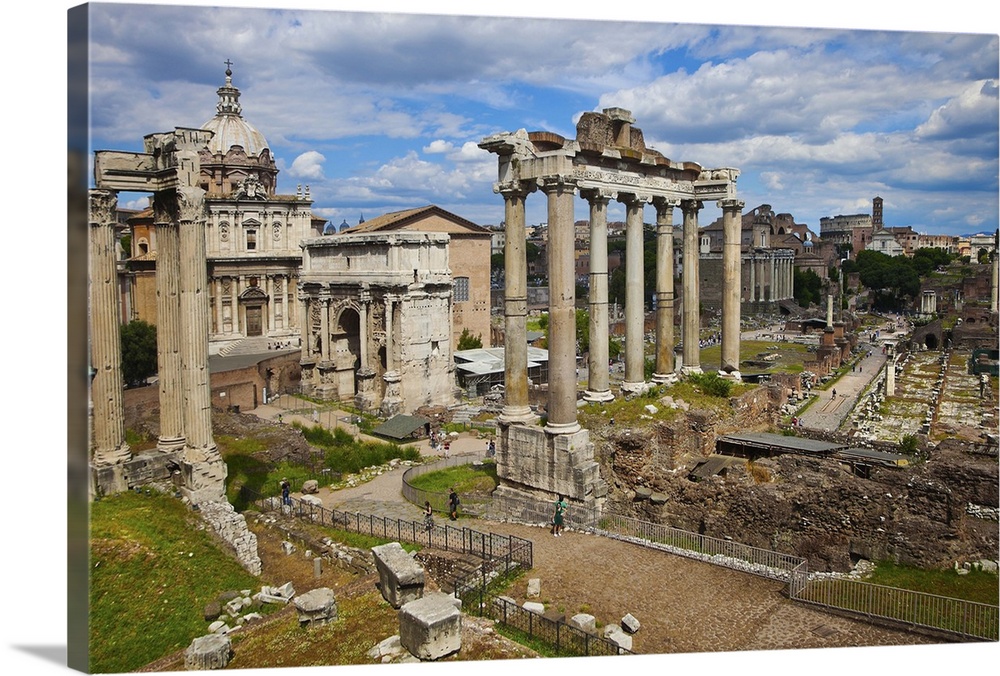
{"points": [[169, 169], [608, 160]]}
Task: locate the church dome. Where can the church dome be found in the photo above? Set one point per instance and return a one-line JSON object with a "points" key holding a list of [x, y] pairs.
{"points": [[229, 126]]}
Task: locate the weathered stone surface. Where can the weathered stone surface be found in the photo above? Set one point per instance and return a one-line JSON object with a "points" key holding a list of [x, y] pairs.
{"points": [[401, 577], [431, 627], [311, 500], [616, 635], [213, 609], [534, 607], [630, 624], [310, 486], [584, 621], [534, 588], [208, 652], [316, 607]]}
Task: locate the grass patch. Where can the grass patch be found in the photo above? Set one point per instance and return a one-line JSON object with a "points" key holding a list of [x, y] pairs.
{"points": [[250, 474], [465, 478], [977, 586], [152, 570], [362, 621]]}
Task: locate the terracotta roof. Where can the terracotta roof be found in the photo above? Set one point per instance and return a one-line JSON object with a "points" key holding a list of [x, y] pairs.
{"points": [[399, 219]]}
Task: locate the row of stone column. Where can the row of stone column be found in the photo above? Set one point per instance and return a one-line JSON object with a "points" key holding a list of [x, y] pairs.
{"points": [[778, 271], [182, 344], [559, 191]]}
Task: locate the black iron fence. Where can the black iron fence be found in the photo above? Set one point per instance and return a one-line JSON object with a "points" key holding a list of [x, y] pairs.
{"points": [[514, 551]]}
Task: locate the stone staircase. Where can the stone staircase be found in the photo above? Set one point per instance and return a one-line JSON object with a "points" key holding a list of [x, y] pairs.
{"points": [[256, 345]]}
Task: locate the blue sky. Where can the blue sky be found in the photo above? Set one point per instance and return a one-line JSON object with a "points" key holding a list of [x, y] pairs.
{"points": [[383, 111]]}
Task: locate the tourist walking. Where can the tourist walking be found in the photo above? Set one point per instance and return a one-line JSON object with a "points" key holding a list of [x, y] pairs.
{"points": [[286, 492], [453, 504], [557, 518], [428, 516]]}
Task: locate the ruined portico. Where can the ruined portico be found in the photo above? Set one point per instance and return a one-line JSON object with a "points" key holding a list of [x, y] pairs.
{"points": [[608, 160], [169, 168]]}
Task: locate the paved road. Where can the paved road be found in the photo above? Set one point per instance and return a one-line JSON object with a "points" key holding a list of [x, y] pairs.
{"points": [[828, 412]]}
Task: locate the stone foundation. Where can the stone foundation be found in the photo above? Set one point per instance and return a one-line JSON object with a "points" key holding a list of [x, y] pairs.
{"points": [[401, 578], [231, 526]]}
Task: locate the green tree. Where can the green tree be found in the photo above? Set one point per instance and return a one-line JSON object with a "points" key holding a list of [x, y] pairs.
{"points": [[807, 287], [582, 331], [138, 340], [467, 341], [892, 280]]}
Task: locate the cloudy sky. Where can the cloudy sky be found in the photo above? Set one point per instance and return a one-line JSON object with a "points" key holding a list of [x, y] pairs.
{"points": [[383, 111]]}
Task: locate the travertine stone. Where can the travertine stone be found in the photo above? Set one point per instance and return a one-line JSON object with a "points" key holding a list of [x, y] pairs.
{"points": [[691, 312], [431, 627], [401, 578]]}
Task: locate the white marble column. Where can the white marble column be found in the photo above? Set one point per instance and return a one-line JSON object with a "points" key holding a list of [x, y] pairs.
{"points": [[309, 347], [217, 293], [635, 339], [731, 254], [234, 305], [269, 290], [516, 409], [692, 292], [168, 323], [106, 388], [562, 308], [200, 445], [324, 327], [663, 370], [598, 383]]}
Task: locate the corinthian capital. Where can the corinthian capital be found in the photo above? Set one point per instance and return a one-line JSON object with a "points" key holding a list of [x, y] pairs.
{"points": [[191, 203], [103, 204]]}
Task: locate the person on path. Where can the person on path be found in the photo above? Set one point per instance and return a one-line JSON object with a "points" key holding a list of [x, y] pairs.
{"points": [[428, 516], [453, 504], [835, 393], [557, 519], [286, 492], [447, 449]]}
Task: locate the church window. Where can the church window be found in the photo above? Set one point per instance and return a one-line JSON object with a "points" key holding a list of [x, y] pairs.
{"points": [[461, 289], [251, 240]]}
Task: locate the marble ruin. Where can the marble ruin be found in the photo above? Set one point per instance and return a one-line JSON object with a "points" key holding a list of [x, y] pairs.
{"points": [[170, 169], [608, 160], [378, 329]]}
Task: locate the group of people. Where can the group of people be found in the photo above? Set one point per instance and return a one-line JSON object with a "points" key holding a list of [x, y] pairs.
{"points": [[453, 503]]}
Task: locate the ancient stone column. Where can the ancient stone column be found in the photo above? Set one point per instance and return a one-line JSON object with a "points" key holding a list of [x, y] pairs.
{"points": [[663, 371], [995, 305], [753, 278], [731, 256], [692, 293], [598, 385], [168, 322], [109, 445], [635, 340], [516, 409], [307, 349], [200, 445], [390, 338], [562, 307], [829, 309], [324, 329]]}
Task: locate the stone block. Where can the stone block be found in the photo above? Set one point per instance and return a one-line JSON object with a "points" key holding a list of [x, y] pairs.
{"points": [[401, 578], [316, 607], [311, 500], [584, 621], [617, 635], [630, 624], [310, 487], [534, 607], [534, 588], [430, 627], [208, 652]]}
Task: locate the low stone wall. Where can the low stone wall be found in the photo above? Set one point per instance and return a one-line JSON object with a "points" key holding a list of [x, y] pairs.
{"points": [[231, 527]]}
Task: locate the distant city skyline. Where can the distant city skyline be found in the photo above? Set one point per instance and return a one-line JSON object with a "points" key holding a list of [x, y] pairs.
{"points": [[379, 112]]}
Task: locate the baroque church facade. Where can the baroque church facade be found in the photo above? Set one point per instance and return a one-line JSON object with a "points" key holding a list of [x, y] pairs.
{"points": [[252, 236]]}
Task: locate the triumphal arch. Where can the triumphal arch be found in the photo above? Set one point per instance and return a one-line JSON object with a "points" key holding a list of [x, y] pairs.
{"points": [[607, 161]]}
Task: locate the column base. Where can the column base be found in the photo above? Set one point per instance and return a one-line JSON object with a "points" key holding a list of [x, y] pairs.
{"points": [[665, 378], [562, 428], [517, 415], [635, 389], [691, 370], [170, 444], [731, 375], [598, 396]]}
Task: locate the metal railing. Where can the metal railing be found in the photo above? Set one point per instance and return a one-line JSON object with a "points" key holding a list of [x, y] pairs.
{"points": [[439, 501], [514, 551], [565, 639], [967, 619], [728, 553]]}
